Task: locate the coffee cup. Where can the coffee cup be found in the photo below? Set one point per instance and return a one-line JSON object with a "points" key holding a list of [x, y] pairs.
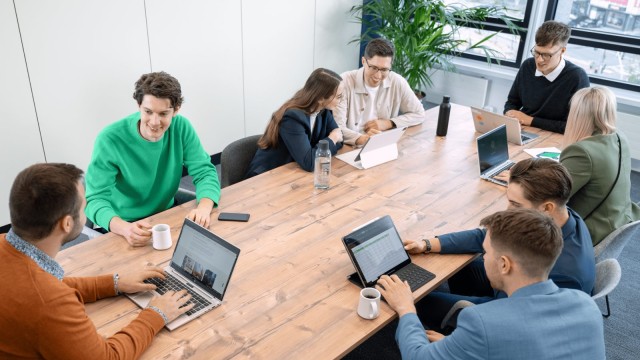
{"points": [[369, 305], [161, 234]]}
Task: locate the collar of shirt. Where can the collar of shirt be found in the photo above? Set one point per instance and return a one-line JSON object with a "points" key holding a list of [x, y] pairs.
{"points": [[43, 260], [555, 73]]}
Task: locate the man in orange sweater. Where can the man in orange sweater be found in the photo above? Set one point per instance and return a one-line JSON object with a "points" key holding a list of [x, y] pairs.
{"points": [[42, 313]]}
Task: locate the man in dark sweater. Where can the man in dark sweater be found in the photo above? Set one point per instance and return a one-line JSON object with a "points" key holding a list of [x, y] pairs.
{"points": [[544, 85]]}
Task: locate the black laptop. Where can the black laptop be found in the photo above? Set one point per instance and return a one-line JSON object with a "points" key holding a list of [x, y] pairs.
{"points": [[375, 249]]}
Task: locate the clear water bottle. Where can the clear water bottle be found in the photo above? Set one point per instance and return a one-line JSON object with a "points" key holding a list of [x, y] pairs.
{"points": [[443, 117], [322, 169]]}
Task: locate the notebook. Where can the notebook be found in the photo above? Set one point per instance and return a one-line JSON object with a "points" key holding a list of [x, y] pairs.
{"points": [[484, 121], [493, 154], [380, 148], [202, 263], [375, 249]]}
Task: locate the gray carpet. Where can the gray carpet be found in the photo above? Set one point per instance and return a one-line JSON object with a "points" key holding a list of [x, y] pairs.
{"points": [[621, 329]]}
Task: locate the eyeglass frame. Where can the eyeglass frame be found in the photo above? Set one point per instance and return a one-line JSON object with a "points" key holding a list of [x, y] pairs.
{"points": [[545, 56], [376, 69]]}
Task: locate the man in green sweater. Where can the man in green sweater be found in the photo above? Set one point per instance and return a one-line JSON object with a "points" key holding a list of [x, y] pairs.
{"points": [[136, 164]]}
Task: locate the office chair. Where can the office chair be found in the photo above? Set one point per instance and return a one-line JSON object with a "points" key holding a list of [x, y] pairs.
{"points": [[235, 159], [608, 273], [611, 246]]}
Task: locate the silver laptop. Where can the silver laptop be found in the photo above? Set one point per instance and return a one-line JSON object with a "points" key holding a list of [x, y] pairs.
{"points": [[375, 249], [493, 154], [380, 148], [202, 264], [484, 121]]}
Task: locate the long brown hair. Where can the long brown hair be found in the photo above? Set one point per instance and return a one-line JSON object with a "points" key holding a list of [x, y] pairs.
{"points": [[322, 84]]}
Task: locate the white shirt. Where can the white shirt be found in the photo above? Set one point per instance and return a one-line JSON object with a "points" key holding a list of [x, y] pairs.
{"points": [[555, 73], [370, 111], [312, 120]]}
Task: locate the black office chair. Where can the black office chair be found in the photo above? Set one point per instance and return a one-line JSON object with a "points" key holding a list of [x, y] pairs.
{"points": [[235, 159]]}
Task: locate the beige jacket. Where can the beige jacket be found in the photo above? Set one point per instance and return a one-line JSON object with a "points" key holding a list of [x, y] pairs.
{"points": [[395, 101]]}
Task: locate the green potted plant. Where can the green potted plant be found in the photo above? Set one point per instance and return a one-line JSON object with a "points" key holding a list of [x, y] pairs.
{"points": [[424, 33]]}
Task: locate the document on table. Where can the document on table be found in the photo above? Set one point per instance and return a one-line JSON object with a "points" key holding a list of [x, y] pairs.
{"points": [[552, 153]]}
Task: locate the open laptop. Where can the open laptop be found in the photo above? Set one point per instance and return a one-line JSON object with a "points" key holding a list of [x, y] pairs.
{"points": [[379, 149], [375, 249], [202, 264], [493, 154], [484, 121]]}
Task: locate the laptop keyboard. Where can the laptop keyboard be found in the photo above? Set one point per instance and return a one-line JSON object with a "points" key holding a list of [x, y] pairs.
{"points": [[173, 284], [415, 276]]}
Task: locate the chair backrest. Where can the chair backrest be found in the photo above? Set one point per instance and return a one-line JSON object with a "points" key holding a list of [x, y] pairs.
{"points": [[235, 159], [608, 273], [611, 246]]}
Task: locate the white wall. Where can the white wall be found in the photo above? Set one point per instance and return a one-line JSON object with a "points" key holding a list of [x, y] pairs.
{"points": [[20, 144], [237, 62]]}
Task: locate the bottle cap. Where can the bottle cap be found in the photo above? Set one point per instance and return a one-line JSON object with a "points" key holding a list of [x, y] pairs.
{"points": [[323, 145], [445, 99]]}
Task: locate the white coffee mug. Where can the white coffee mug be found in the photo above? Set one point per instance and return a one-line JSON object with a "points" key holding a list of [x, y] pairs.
{"points": [[161, 234], [369, 306]]}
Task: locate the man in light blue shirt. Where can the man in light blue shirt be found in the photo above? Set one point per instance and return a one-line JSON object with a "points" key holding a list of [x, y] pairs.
{"points": [[537, 320]]}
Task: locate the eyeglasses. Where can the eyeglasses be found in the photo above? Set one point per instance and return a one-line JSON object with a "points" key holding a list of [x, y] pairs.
{"points": [[545, 56], [376, 69]]}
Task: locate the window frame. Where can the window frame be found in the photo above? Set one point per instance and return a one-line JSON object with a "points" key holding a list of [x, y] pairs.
{"points": [[600, 40], [496, 25]]}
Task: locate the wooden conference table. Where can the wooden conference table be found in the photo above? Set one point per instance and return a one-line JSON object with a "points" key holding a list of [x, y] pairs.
{"points": [[289, 296]]}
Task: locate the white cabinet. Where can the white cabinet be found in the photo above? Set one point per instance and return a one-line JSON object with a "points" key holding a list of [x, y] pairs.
{"points": [[83, 58], [20, 144], [200, 43]]}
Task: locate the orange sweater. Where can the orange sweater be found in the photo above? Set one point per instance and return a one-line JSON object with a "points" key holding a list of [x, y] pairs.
{"points": [[42, 317]]}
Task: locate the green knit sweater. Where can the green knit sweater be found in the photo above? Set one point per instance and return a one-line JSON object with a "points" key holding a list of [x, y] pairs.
{"points": [[133, 178]]}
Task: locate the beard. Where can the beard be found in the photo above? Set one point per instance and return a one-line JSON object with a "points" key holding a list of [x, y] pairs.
{"points": [[75, 232]]}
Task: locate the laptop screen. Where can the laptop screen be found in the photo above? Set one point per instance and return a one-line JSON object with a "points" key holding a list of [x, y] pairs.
{"points": [[492, 148], [376, 249], [205, 258]]}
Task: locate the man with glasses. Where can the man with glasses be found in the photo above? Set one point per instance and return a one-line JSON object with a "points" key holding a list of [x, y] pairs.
{"points": [[546, 82], [375, 98]]}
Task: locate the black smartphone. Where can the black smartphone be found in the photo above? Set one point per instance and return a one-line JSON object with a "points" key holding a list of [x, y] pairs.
{"points": [[224, 216]]}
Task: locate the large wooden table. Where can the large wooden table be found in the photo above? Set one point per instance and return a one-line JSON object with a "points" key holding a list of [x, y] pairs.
{"points": [[289, 296]]}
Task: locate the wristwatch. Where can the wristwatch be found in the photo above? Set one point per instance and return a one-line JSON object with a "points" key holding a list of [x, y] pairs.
{"points": [[428, 243]]}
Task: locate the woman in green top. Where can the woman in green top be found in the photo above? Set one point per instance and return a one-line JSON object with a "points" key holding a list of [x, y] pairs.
{"points": [[598, 159], [136, 164]]}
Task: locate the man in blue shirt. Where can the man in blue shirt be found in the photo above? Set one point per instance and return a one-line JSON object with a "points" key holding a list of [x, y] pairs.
{"points": [[534, 183], [537, 320]]}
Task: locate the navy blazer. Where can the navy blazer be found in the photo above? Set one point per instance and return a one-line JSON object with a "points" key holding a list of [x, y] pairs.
{"points": [[574, 269], [296, 142]]}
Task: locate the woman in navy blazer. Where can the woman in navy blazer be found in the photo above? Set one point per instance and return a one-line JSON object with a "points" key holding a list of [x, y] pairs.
{"points": [[299, 124]]}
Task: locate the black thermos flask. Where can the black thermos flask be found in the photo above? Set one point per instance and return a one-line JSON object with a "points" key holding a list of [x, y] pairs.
{"points": [[443, 117]]}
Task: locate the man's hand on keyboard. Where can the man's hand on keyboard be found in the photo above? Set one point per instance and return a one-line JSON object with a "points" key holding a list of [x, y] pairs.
{"points": [[173, 303], [133, 282]]}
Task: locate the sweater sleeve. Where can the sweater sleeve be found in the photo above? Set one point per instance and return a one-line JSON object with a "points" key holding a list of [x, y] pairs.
{"points": [[514, 102], [199, 166], [92, 288], [579, 164], [462, 242], [66, 332], [100, 181]]}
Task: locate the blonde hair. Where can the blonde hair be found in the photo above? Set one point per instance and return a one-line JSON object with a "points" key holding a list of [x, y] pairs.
{"points": [[592, 111]]}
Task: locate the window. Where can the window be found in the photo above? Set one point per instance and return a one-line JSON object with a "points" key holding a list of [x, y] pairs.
{"points": [[511, 46], [605, 38]]}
